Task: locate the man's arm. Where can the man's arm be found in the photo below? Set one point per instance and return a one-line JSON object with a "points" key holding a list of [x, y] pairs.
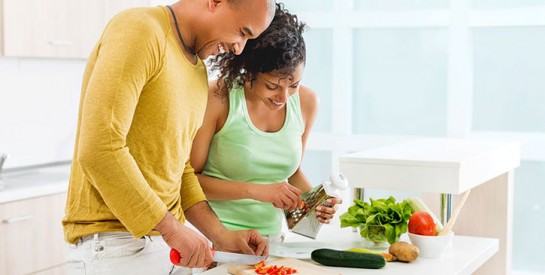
{"points": [[124, 63], [205, 220]]}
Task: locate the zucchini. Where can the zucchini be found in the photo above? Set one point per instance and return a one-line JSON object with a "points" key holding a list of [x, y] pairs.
{"points": [[331, 257], [387, 256]]}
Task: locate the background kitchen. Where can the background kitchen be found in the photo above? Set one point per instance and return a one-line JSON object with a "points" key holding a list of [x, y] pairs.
{"points": [[386, 71]]}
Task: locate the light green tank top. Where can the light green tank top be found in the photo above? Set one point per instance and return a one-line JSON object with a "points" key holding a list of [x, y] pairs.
{"points": [[242, 152]]}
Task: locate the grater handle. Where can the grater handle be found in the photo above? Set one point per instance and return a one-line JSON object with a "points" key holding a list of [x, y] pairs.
{"points": [[338, 182]]}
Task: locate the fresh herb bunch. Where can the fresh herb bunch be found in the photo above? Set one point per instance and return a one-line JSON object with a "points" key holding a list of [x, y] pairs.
{"points": [[392, 216]]}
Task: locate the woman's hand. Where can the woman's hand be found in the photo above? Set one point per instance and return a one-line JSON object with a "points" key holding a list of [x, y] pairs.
{"points": [[282, 194], [325, 213]]}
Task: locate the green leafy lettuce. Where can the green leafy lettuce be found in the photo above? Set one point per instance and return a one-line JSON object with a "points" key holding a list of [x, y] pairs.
{"points": [[382, 218]]}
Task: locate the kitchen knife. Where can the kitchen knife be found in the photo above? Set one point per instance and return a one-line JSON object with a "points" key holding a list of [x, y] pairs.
{"points": [[223, 257]]}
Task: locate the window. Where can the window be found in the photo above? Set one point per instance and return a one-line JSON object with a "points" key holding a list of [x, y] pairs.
{"points": [[390, 70]]}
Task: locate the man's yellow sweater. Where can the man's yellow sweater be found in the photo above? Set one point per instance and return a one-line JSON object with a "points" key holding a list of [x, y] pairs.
{"points": [[141, 105]]}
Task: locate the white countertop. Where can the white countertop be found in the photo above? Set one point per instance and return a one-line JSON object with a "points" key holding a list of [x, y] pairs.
{"points": [[35, 183], [464, 256]]}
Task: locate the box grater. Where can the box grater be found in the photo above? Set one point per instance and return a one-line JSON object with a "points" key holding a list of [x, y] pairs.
{"points": [[303, 220]]}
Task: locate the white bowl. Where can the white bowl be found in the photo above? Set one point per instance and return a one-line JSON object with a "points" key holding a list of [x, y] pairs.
{"points": [[431, 246]]}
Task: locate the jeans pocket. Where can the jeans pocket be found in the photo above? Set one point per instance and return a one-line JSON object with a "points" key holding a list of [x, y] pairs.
{"points": [[116, 247], [74, 267]]}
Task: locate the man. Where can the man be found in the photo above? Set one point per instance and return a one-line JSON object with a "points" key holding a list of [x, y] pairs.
{"points": [[143, 98]]}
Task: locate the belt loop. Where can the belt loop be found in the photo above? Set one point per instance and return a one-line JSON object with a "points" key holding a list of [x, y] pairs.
{"points": [[79, 242], [98, 246]]}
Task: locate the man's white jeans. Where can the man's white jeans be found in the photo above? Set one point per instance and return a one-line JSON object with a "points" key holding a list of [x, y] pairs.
{"points": [[121, 253]]}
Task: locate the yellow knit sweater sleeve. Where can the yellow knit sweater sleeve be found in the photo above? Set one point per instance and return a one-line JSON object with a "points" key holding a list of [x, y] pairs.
{"points": [[125, 64], [141, 105], [191, 191]]}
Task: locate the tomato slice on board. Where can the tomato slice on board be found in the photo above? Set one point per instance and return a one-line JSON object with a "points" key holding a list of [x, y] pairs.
{"points": [[262, 270], [260, 264], [273, 269]]}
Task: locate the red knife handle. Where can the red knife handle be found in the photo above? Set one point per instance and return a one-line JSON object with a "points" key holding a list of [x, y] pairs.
{"points": [[175, 256]]}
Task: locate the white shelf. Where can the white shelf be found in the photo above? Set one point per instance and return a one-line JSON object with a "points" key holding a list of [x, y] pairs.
{"points": [[452, 166], [432, 165]]}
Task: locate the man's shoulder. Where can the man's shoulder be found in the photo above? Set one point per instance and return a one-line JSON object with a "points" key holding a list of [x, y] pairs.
{"points": [[140, 13], [140, 19]]}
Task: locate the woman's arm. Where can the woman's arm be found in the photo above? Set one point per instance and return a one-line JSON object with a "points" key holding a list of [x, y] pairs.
{"points": [[309, 109], [214, 118], [281, 194]]}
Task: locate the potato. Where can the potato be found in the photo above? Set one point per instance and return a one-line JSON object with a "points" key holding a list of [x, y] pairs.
{"points": [[404, 252]]}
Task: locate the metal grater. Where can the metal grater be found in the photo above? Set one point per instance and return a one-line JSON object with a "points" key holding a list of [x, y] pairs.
{"points": [[303, 219]]}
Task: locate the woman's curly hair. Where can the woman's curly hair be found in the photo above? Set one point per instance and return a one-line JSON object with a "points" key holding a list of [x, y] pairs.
{"points": [[280, 48]]}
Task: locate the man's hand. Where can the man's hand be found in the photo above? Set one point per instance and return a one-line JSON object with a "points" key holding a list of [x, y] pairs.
{"points": [[282, 194], [193, 248], [243, 241]]}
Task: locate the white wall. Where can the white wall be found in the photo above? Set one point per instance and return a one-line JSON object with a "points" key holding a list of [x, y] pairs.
{"points": [[39, 101], [38, 109]]}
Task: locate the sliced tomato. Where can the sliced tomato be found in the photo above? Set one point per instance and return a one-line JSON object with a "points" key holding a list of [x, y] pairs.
{"points": [[273, 269], [260, 264], [262, 270]]}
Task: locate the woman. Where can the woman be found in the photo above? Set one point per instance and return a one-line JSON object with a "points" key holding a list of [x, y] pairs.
{"points": [[248, 151]]}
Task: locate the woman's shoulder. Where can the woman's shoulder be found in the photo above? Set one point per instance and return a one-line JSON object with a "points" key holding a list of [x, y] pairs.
{"points": [[218, 102], [216, 94], [309, 99]]}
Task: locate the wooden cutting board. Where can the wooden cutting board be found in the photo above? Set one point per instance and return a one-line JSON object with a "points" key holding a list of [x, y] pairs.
{"points": [[303, 268]]}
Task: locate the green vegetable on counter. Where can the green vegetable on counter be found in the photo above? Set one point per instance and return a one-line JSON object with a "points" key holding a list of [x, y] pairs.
{"points": [[332, 257], [391, 218]]}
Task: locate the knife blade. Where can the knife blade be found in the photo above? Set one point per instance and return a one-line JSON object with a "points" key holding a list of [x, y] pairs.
{"points": [[223, 257]]}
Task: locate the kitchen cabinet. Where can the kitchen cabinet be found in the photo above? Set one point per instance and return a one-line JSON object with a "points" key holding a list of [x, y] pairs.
{"points": [[31, 236], [56, 28]]}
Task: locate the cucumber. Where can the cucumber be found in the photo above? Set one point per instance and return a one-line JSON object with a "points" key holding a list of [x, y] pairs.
{"points": [[417, 204], [387, 256], [331, 257]]}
